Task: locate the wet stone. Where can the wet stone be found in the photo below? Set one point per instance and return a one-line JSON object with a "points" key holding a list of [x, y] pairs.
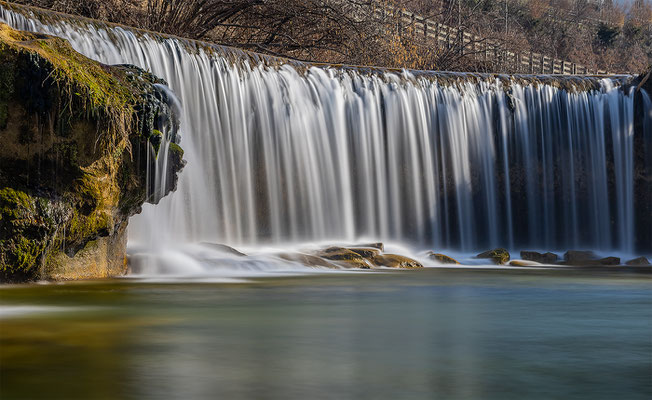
{"points": [[638, 261], [543, 258], [441, 258], [498, 256], [395, 261]]}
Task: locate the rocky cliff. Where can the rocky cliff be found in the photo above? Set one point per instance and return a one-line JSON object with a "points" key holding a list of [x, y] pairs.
{"points": [[76, 138]]}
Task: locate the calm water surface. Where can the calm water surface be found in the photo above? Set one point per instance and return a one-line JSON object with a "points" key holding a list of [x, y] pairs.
{"points": [[435, 333]]}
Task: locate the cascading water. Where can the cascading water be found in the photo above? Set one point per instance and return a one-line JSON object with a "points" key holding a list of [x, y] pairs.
{"points": [[294, 153]]}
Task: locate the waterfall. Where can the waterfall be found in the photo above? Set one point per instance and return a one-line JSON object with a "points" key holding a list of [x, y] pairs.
{"points": [[286, 152]]}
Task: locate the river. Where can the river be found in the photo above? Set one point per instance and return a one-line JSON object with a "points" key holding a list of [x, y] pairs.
{"points": [[431, 333]]}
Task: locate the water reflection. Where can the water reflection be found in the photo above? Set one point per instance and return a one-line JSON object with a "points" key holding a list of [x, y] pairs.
{"points": [[427, 334]]}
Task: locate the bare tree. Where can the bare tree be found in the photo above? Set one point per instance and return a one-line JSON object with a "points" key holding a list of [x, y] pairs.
{"points": [[373, 32]]}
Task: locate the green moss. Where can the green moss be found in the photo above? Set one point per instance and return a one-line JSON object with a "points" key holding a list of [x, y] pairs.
{"points": [[155, 139], [26, 252], [81, 228], [498, 256], [15, 204], [92, 80], [176, 150], [85, 88], [20, 232]]}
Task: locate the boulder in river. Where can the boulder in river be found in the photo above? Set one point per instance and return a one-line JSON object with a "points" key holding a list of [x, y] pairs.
{"points": [[524, 263], [441, 258], [543, 258], [395, 261], [638, 261], [338, 253], [609, 261], [378, 245], [580, 257], [308, 260], [343, 257], [365, 252], [498, 256]]}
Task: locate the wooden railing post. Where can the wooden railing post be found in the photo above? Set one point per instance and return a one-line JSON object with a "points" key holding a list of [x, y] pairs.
{"points": [[518, 62], [461, 33], [413, 26]]}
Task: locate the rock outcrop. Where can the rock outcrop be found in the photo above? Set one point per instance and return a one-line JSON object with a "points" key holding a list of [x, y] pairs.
{"points": [[76, 140]]}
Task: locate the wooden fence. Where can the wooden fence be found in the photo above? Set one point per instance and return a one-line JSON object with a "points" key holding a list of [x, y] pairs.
{"points": [[488, 51]]}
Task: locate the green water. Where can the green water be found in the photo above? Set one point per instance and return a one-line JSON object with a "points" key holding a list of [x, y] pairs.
{"points": [[431, 334]]}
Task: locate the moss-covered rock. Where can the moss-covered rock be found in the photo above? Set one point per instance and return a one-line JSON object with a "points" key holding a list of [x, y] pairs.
{"points": [[343, 257], [498, 256], [308, 260], [74, 139], [365, 252], [23, 226], [338, 254]]}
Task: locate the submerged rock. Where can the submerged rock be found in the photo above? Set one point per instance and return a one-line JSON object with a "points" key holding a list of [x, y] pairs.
{"points": [[308, 260], [638, 261], [395, 261], [609, 261], [378, 245], [543, 258], [223, 248], [74, 140], [587, 258], [498, 256], [366, 252], [343, 257], [580, 257], [524, 263], [441, 258], [338, 253]]}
